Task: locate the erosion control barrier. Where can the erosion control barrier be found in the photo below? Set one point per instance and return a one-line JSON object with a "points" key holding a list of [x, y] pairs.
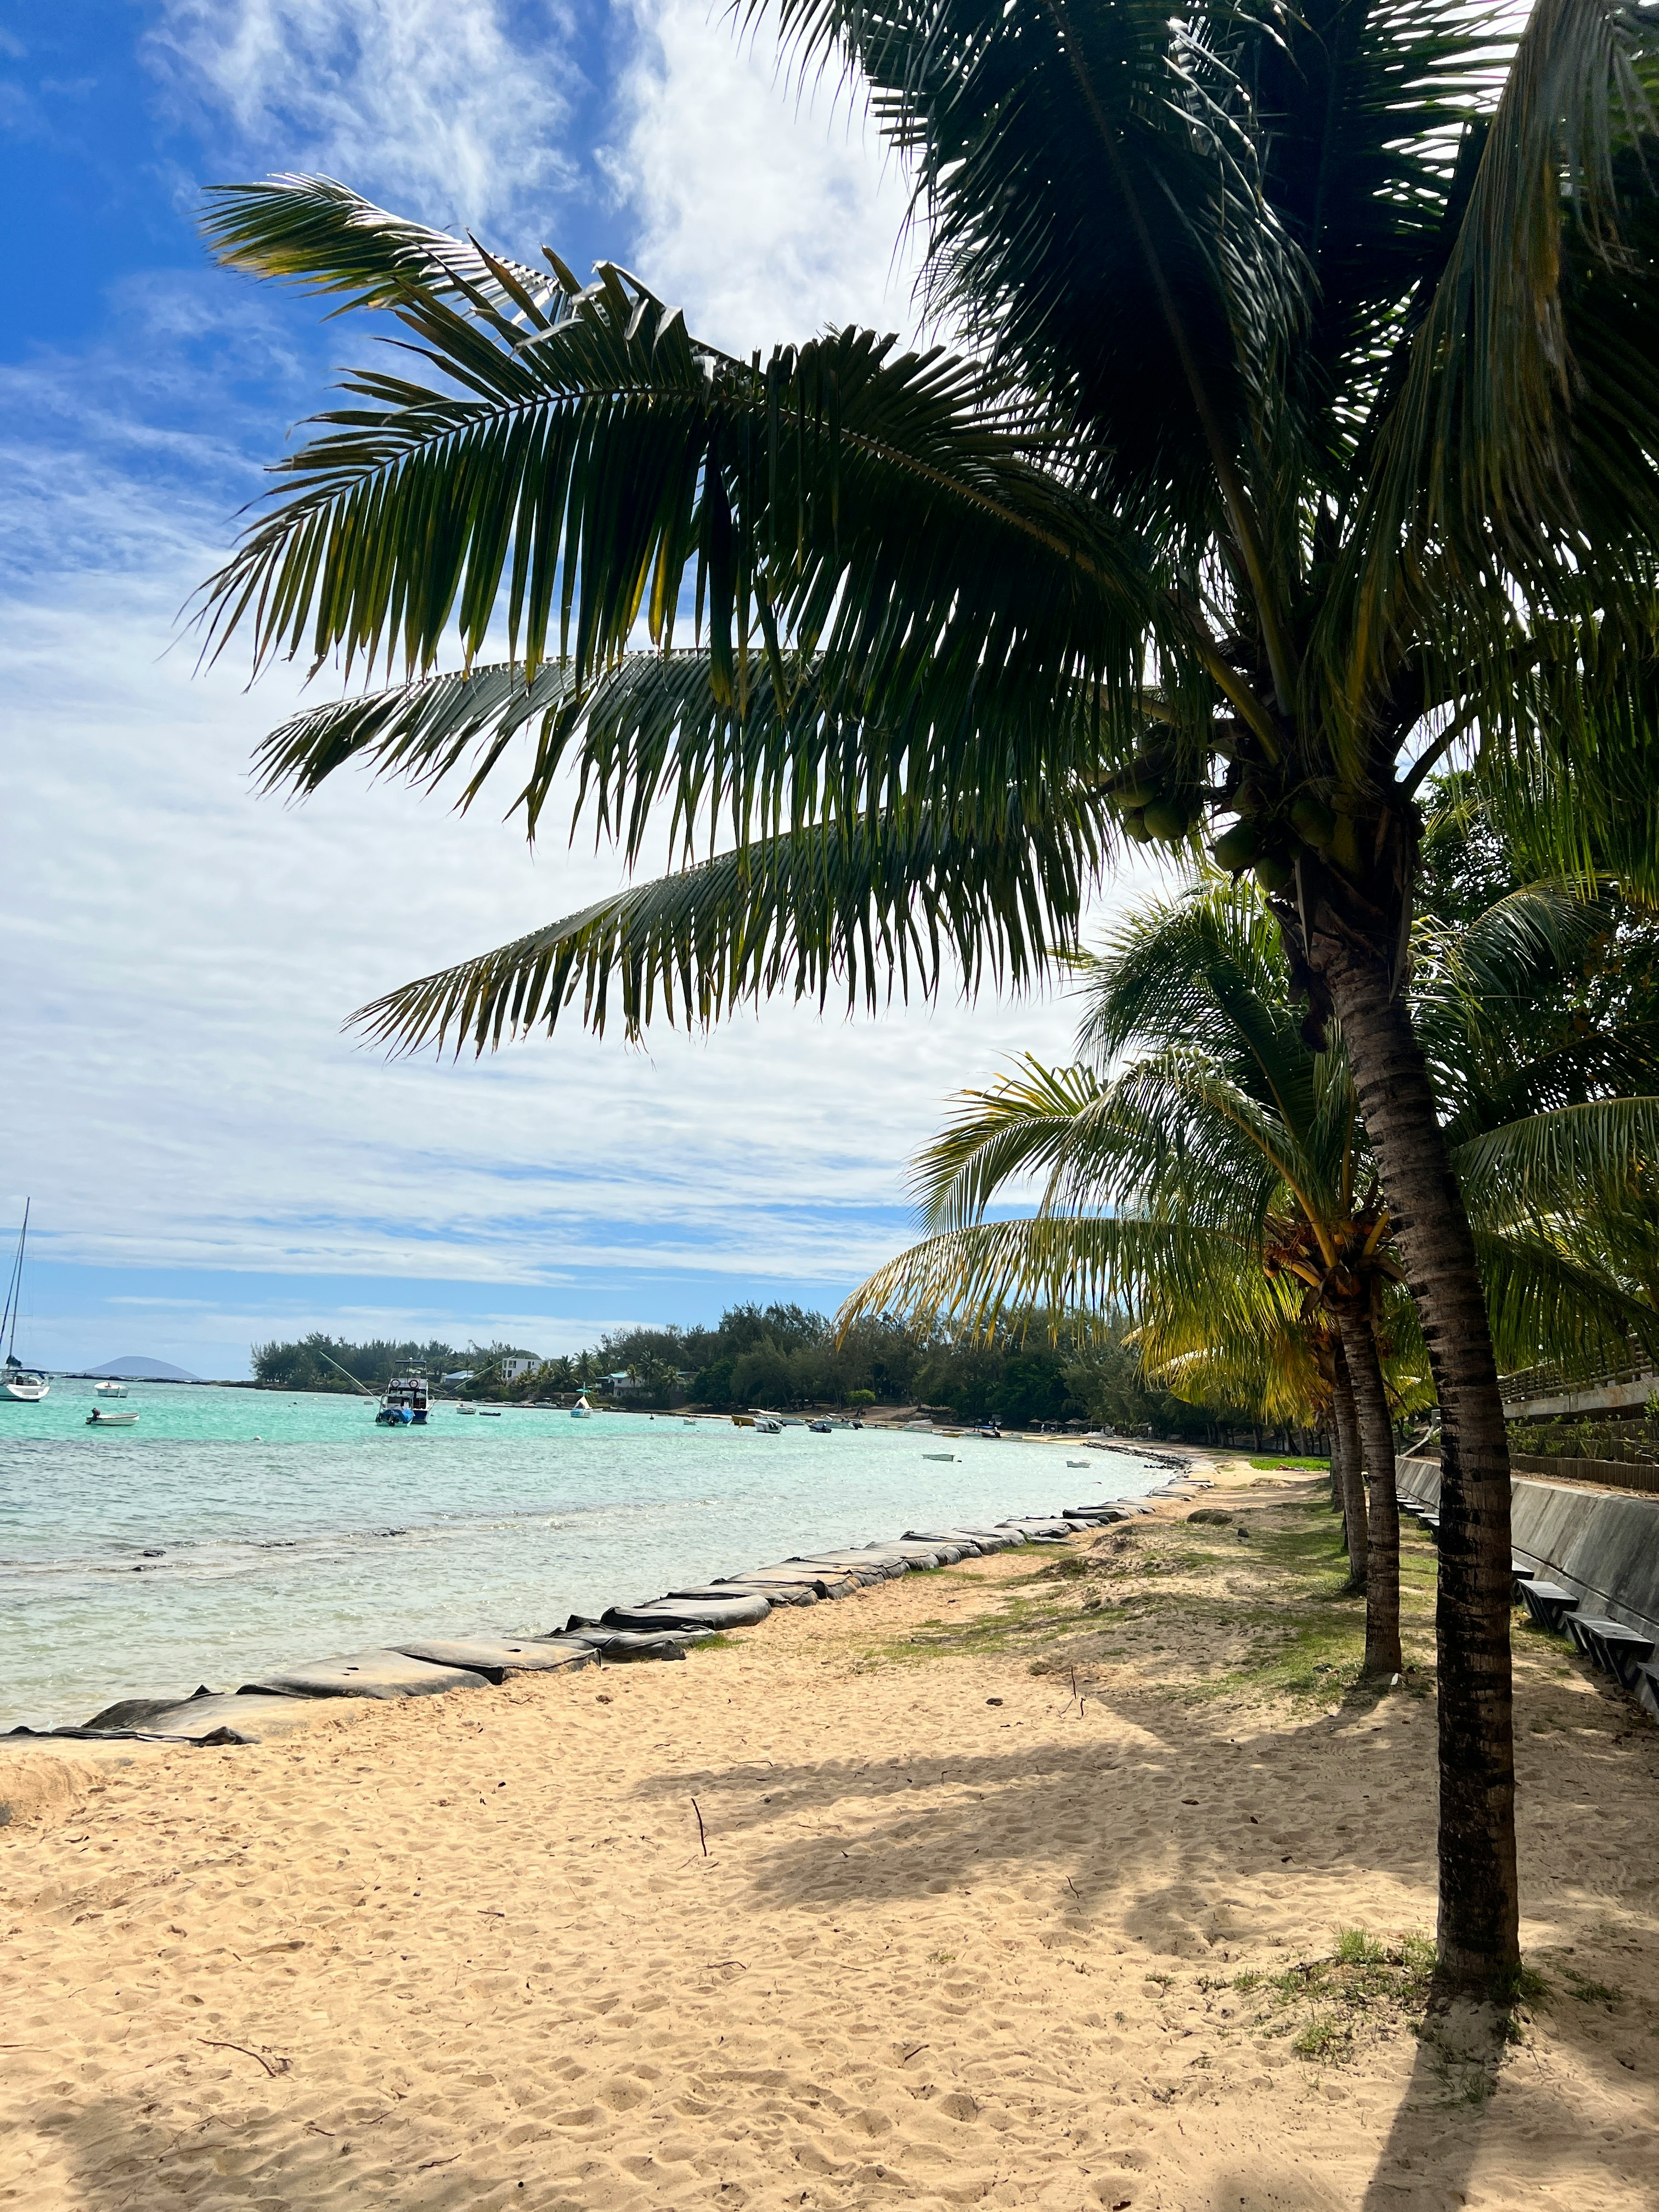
{"points": [[661, 1628]]}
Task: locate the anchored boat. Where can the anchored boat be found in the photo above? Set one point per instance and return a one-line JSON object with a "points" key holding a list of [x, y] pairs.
{"points": [[23, 1386], [404, 1404]]}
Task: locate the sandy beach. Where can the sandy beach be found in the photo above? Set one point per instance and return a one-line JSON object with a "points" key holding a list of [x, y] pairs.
{"points": [[1020, 1883]]}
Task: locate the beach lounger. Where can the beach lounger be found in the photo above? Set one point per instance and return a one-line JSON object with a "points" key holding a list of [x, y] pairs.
{"points": [[1519, 1572], [1548, 1604]]}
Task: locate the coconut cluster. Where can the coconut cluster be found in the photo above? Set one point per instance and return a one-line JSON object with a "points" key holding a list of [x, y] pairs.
{"points": [[1157, 803]]}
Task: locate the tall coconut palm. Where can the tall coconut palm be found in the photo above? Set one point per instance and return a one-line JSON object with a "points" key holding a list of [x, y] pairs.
{"points": [[1301, 427]]}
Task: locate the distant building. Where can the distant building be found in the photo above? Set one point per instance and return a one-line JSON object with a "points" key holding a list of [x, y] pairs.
{"points": [[518, 1365]]}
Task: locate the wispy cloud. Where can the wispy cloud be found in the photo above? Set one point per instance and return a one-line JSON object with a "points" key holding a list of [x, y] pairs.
{"points": [[454, 109], [766, 207]]}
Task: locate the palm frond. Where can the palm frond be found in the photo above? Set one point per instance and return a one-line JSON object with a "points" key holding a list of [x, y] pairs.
{"points": [[880, 513], [1062, 1265], [1546, 1306], [319, 234], [889, 903], [1547, 1163], [648, 743], [997, 1136], [1473, 465]]}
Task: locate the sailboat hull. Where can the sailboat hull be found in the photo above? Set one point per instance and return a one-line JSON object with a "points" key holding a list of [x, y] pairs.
{"points": [[25, 1393]]}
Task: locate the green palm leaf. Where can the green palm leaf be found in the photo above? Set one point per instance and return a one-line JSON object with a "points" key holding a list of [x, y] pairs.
{"points": [[895, 900], [1546, 1163]]}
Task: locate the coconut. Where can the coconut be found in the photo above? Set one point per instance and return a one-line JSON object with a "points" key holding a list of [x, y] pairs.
{"points": [[1236, 848]]}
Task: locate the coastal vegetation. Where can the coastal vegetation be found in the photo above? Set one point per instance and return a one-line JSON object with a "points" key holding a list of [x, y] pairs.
{"points": [[1210, 1172], [1298, 434], [1020, 1374], [318, 1361]]}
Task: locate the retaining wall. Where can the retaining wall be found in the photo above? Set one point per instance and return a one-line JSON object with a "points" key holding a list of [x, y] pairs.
{"points": [[1606, 1549]]}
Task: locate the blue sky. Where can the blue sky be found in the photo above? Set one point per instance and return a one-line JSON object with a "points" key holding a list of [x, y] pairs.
{"points": [[210, 1161]]}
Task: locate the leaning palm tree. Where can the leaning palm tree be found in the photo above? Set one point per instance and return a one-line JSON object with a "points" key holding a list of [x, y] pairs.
{"points": [[1227, 1154], [1299, 429], [1227, 1163]]}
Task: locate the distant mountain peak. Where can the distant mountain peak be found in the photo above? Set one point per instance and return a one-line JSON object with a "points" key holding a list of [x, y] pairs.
{"points": [[133, 1367]]}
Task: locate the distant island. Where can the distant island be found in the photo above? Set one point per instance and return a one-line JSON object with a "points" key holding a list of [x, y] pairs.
{"points": [[133, 1367]]}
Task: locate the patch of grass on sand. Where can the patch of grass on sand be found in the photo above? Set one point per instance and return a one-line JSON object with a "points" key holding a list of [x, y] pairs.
{"points": [[1322, 1466], [1190, 1609], [1324, 2005], [1201, 1612]]}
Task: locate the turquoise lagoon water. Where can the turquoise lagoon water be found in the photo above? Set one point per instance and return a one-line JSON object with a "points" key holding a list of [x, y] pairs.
{"points": [[234, 1529]]}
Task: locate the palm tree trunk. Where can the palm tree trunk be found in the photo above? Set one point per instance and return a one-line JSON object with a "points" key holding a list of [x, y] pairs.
{"points": [[1479, 1904], [1370, 1401], [1355, 1520]]}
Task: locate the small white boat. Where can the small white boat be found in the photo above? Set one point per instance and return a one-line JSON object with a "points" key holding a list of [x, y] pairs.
{"points": [[821, 1428], [97, 1418], [20, 1385], [768, 1424], [949, 1458], [581, 1411], [109, 1390], [466, 1409]]}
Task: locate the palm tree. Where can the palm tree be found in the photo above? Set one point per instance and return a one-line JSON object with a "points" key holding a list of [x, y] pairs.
{"points": [[1232, 1160], [1302, 428], [1229, 1162]]}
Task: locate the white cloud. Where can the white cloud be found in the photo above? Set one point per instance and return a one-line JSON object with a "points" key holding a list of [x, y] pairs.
{"points": [[181, 952], [184, 951], [766, 208], [451, 109]]}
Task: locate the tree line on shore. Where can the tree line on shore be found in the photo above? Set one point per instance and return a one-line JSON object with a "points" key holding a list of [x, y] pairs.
{"points": [[1018, 1374]]}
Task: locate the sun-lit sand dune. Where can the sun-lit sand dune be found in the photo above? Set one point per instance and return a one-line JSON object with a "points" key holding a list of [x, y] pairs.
{"points": [[962, 1932]]}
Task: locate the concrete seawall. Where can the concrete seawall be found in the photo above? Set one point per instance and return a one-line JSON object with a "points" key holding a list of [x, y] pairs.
{"points": [[1603, 1548]]}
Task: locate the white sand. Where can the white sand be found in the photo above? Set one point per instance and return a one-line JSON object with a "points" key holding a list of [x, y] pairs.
{"points": [[941, 1950]]}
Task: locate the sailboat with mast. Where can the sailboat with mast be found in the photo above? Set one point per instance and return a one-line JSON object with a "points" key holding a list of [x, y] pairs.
{"points": [[22, 1386]]}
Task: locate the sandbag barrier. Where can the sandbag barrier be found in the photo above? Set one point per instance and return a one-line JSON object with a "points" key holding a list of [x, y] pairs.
{"points": [[656, 1629]]}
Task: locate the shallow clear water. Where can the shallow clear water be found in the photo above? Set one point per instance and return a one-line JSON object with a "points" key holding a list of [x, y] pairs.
{"points": [[234, 1529]]}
